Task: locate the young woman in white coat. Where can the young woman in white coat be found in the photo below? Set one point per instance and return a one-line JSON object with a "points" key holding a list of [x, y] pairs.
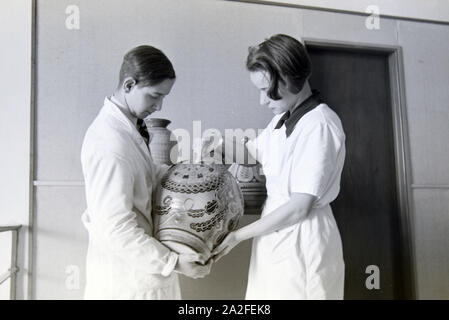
{"points": [[296, 250], [124, 260]]}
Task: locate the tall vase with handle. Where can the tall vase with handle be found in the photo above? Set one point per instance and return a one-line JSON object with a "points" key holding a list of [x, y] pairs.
{"points": [[251, 181]]}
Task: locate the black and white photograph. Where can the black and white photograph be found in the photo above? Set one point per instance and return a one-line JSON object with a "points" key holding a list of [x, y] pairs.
{"points": [[224, 150]]}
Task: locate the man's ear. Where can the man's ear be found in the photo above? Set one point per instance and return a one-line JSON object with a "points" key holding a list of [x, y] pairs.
{"points": [[128, 84]]}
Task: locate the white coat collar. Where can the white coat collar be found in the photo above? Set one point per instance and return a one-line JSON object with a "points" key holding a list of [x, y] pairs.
{"points": [[111, 109], [121, 107]]}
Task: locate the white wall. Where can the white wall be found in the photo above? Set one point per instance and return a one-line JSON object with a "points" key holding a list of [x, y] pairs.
{"points": [[426, 61], [15, 68], [207, 41], [436, 10], [425, 48], [430, 186], [5, 262]]}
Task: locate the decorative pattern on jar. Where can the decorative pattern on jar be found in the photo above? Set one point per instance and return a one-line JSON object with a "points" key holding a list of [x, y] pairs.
{"points": [[195, 207], [161, 140]]}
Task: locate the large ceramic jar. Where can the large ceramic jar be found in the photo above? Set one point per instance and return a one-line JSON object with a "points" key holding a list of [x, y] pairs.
{"points": [[195, 207], [161, 140]]}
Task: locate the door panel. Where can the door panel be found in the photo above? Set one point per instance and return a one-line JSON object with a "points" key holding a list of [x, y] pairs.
{"points": [[355, 84]]}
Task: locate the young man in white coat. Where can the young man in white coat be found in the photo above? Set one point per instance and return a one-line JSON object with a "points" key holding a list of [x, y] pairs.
{"points": [[124, 260]]}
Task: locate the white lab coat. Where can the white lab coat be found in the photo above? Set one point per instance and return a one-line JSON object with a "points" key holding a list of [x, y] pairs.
{"points": [[123, 260], [303, 261]]}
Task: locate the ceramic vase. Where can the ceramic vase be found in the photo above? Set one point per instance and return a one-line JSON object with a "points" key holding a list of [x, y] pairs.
{"points": [[161, 140], [251, 181], [195, 207]]}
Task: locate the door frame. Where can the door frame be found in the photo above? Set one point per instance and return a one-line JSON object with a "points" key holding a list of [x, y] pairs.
{"points": [[401, 146]]}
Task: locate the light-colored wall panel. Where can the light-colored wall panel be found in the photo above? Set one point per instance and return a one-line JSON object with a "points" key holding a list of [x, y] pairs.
{"points": [[5, 263], [432, 243], [60, 243], [347, 27], [61, 246], [228, 277], [207, 42], [15, 123], [437, 10], [426, 67]]}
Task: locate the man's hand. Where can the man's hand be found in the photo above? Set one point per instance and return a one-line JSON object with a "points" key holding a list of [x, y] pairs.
{"points": [[193, 265]]}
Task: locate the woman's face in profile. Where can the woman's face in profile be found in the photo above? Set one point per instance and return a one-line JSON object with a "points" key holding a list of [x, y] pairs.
{"points": [[144, 100], [261, 80]]}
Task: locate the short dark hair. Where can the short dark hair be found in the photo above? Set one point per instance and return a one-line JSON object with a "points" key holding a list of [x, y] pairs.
{"points": [[285, 59], [147, 65]]}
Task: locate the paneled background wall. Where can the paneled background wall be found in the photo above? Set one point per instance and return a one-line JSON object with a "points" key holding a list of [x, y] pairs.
{"points": [[433, 10], [15, 134], [207, 42], [426, 61]]}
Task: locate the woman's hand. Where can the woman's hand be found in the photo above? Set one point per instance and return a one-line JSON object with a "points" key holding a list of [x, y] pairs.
{"points": [[225, 246], [227, 150], [209, 150]]}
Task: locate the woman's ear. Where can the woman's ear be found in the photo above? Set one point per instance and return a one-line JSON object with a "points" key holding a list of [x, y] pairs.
{"points": [[291, 86]]}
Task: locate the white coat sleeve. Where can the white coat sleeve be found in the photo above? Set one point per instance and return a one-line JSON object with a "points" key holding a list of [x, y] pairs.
{"points": [[109, 192], [315, 159]]}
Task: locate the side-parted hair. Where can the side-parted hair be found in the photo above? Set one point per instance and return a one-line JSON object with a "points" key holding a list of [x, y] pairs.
{"points": [[147, 65], [285, 59]]}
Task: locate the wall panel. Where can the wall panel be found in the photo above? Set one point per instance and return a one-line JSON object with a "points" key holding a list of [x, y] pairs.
{"points": [[347, 27], [426, 67], [60, 243], [61, 247], [432, 243], [207, 42]]}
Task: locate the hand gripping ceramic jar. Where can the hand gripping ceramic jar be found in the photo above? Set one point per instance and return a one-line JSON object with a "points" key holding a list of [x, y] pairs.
{"points": [[195, 207]]}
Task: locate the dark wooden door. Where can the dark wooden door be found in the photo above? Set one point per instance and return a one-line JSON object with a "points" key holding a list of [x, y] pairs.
{"points": [[355, 84]]}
